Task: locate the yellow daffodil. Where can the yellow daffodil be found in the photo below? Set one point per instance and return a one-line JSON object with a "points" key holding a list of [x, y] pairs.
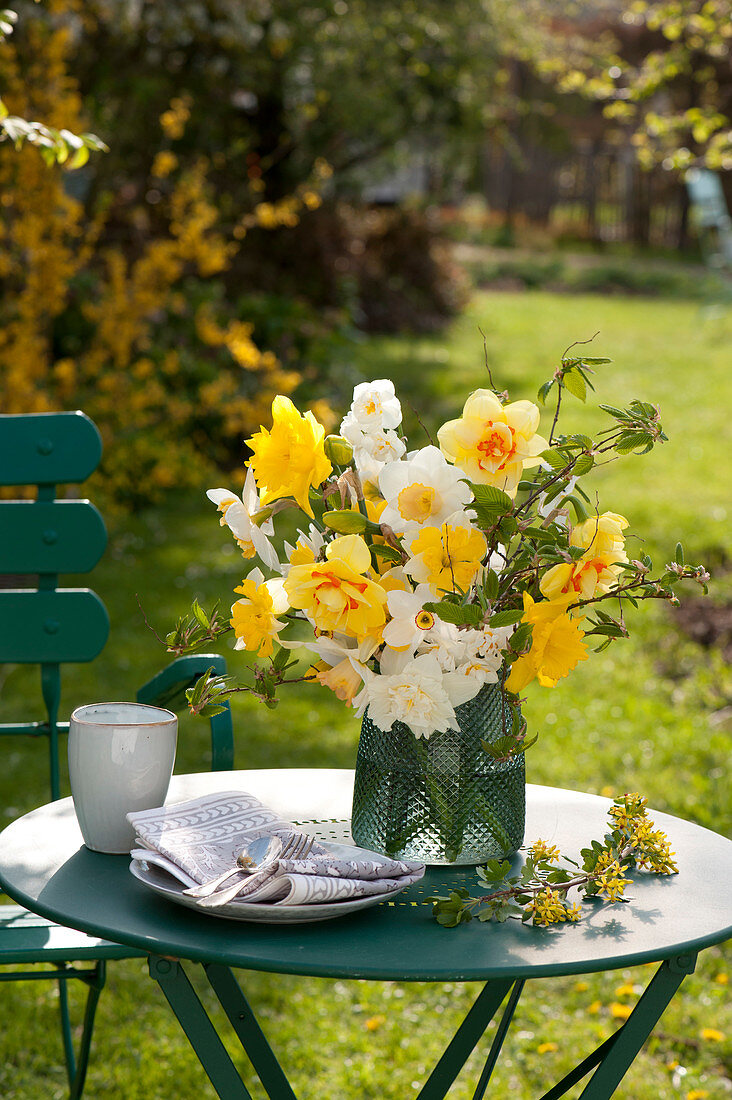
{"points": [[599, 567], [491, 442], [446, 557], [290, 458], [556, 644], [254, 618], [337, 594]]}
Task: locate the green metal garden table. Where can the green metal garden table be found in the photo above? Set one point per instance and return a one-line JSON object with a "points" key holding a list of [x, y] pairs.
{"points": [[45, 866]]}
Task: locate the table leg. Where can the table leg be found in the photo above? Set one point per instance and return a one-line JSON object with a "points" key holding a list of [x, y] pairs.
{"points": [[249, 1033], [202, 1035], [465, 1039], [614, 1057]]}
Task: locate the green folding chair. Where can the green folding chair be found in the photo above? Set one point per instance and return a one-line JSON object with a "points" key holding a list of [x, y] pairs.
{"points": [[50, 626]]}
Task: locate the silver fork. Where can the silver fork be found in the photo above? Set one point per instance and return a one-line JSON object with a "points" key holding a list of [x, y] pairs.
{"points": [[246, 865], [298, 849]]}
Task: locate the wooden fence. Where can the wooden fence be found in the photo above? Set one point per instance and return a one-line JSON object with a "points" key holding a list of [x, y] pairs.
{"points": [[595, 192]]}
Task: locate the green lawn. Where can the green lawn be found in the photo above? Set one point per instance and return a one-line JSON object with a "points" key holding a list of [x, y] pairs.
{"points": [[646, 715]]}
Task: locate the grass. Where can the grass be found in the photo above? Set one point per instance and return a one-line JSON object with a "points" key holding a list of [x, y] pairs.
{"points": [[646, 715]]}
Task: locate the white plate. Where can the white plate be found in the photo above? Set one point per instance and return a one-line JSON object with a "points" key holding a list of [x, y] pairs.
{"points": [[166, 886]]}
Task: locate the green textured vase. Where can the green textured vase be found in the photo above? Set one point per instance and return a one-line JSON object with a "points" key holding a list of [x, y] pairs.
{"points": [[440, 800]]}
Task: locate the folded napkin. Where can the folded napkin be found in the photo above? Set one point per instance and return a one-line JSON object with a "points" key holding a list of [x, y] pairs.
{"points": [[197, 840]]}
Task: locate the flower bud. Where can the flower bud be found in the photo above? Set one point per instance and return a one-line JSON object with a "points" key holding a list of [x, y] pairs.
{"points": [[338, 450], [346, 522]]}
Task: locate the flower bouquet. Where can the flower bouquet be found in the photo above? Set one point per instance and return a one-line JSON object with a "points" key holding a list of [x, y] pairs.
{"points": [[435, 583]]}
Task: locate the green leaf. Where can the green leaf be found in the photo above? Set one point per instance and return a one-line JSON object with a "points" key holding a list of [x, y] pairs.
{"points": [[494, 871], [679, 554], [506, 618], [520, 637], [575, 383], [211, 710], [583, 465], [490, 584], [555, 458], [281, 659], [507, 528], [630, 441], [388, 553], [468, 614], [200, 615], [490, 503], [543, 392], [594, 360]]}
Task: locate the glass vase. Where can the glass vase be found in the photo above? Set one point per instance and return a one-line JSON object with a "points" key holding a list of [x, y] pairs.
{"points": [[442, 799]]}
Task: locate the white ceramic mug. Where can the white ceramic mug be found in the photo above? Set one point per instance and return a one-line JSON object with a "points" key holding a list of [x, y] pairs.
{"points": [[121, 758]]}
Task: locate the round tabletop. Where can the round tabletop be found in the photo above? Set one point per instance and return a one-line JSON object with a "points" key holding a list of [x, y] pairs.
{"points": [[45, 866]]}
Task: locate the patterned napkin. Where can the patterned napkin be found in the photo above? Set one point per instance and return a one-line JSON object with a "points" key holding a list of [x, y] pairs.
{"points": [[196, 841]]}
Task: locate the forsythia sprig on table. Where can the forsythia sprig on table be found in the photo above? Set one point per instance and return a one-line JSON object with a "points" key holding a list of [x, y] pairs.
{"points": [[538, 892]]}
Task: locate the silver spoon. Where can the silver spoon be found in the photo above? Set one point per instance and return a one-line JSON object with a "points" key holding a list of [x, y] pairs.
{"points": [[260, 853], [297, 847]]}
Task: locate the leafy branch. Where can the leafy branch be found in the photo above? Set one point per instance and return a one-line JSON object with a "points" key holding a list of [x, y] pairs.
{"points": [[55, 146], [538, 892]]}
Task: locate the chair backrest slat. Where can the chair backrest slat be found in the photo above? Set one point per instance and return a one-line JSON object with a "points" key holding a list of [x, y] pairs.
{"points": [[66, 536], [38, 627], [48, 448]]}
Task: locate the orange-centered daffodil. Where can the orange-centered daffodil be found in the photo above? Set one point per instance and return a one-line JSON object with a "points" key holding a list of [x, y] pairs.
{"points": [[337, 594], [599, 567], [491, 442]]}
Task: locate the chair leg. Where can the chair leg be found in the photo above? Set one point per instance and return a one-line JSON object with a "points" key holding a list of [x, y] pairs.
{"points": [[77, 1065]]}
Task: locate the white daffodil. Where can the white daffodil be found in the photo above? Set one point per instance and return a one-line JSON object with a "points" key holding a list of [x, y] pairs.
{"points": [[237, 513], [479, 651], [372, 448], [375, 406], [421, 491], [409, 623], [420, 695]]}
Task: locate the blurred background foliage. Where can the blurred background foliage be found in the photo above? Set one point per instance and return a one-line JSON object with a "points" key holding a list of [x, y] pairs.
{"points": [[283, 176]]}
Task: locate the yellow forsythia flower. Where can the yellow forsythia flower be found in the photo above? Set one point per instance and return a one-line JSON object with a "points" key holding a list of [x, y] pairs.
{"points": [[712, 1035], [165, 162]]}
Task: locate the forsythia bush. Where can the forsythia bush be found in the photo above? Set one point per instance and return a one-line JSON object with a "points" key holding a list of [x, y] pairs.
{"points": [[95, 312]]}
